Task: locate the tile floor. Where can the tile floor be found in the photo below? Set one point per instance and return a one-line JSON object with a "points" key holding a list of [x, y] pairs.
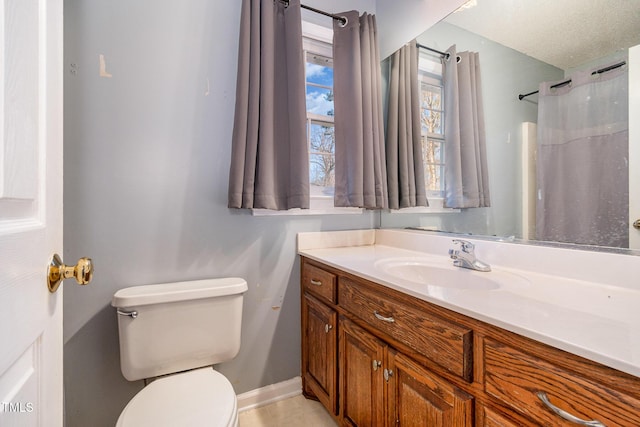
{"points": [[294, 411]]}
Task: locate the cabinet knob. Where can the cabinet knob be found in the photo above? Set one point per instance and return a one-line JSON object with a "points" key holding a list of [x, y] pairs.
{"points": [[327, 328], [376, 364], [388, 373]]}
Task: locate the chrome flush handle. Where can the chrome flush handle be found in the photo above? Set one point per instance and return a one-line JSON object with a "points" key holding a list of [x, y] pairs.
{"points": [[132, 314]]}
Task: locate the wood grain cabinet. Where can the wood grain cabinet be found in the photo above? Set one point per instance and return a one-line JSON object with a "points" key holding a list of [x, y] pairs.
{"points": [[319, 359], [374, 356], [380, 386], [319, 336], [551, 394], [490, 417]]}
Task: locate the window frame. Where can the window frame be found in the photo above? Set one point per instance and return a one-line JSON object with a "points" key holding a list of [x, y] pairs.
{"points": [[318, 40], [430, 71]]}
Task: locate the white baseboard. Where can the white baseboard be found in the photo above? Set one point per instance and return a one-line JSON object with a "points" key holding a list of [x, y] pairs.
{"points": [[269, 394]]}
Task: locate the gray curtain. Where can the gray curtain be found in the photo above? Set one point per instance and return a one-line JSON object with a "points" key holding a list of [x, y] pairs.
{"points": [[360, 158], [405, 170], [582, 166], [269, 158], [466, 178]]}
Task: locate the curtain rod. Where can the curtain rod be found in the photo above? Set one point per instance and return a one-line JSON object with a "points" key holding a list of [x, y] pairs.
{"points": [[343, 19], [566, 82], [444, 54]]}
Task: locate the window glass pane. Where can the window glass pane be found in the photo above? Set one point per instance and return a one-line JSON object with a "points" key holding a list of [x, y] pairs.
{"points": [[319, 100], [321, 134], [433, 178], [322, 138], [321, 170], [431, 96], [432, 150], [433, 159], [431, 122], [431, 108], [322, 156], [319, 69]]}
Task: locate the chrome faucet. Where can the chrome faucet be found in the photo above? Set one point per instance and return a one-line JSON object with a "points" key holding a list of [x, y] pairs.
{"points": [[465, 256]]}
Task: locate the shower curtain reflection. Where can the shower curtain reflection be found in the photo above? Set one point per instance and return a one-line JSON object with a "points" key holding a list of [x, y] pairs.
{"points": [[583, 165]]}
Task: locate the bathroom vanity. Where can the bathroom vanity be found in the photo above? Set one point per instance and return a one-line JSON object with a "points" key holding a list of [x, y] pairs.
{"points": [[386, 343]]}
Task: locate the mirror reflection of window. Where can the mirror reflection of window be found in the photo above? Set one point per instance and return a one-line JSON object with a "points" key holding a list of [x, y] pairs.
{"points": [[432, 123]]}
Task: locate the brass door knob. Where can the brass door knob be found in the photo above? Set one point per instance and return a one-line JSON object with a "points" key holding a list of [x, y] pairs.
{"points": [[636, 224], [57, 272]]}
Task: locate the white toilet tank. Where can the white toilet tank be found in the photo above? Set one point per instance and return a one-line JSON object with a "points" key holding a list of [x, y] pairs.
{"points": [[174, 327]]}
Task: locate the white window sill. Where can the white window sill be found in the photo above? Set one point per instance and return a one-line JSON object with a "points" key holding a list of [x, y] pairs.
{"points": [[318, 206], [303, 212], [435, 207]]}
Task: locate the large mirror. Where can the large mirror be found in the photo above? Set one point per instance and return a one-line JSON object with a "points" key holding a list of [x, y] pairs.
{"points": [[522, 43]]}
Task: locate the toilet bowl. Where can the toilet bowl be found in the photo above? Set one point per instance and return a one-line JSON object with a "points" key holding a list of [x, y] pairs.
{"points": [[175, 332], [191, 399]]}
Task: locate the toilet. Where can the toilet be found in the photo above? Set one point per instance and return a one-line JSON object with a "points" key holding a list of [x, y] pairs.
{"points": [[173, 333]]}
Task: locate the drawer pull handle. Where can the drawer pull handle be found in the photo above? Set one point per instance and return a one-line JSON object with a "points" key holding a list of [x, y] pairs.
{"points": [[316, 282], [384, 319], [564, 414]]}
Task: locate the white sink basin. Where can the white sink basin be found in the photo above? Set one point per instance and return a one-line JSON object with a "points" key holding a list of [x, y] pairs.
{"points": [[436, 272]]}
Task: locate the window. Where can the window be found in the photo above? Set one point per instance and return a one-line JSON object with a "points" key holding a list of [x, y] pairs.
{"points": [[318, 53], [320, 130], [432, 121], [433, 138]]}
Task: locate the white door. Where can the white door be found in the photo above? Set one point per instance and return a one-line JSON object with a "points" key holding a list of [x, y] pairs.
{"points": [[31, 392]]}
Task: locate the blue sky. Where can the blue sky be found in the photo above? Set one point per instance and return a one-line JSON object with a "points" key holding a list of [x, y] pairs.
{"points": [[316, 101]]}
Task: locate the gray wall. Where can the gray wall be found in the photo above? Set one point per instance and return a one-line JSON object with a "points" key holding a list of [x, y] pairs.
{"points": [[505, 74], [146, 173], [402, 20]]}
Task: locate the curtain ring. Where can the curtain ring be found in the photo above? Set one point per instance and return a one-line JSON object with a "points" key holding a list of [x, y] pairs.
{"points": [[458, 59], [343, 21]]}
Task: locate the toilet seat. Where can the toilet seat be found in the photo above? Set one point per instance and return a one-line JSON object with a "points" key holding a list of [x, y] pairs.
{"points": [[202, 397]]}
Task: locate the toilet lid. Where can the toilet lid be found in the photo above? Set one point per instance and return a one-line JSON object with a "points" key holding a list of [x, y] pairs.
{"points": [[202, 397]]}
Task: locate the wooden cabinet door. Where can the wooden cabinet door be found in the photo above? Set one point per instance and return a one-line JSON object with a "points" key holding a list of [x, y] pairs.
{"points": [[419, 398], [361, 383], [319, 352]]}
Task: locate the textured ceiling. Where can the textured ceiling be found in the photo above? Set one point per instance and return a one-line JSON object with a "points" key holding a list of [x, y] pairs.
{"points": [[563, 33]]}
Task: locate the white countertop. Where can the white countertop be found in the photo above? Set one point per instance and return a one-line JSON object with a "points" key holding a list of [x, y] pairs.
{"points": [[595, 320]]}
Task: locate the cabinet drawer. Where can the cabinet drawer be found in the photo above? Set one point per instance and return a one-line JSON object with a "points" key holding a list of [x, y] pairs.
{"points": [[319, 282], [488, 417], [516, 378], [447, 344]]}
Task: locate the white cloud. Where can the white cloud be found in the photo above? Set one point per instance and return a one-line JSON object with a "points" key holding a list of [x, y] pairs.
{"points": [[314, 70], [318, 104]]}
